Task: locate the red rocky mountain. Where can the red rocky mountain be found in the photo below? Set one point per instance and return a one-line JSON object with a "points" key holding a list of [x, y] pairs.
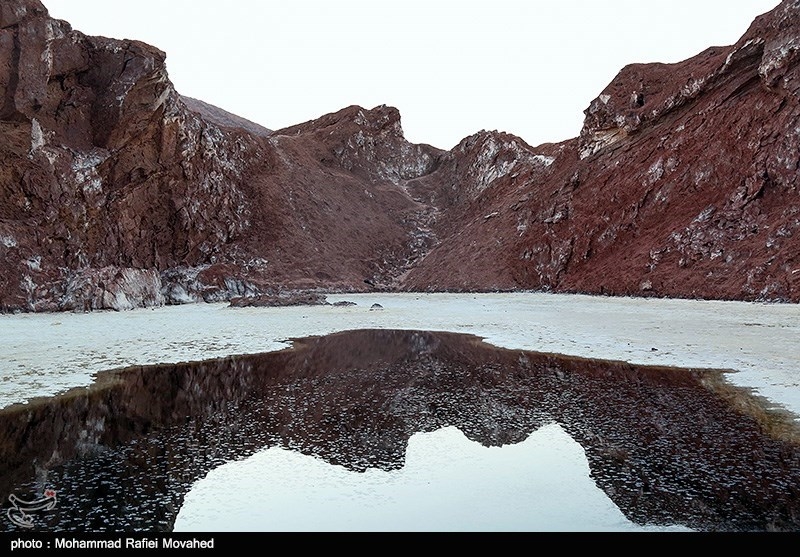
{"points": [[117, 192]]}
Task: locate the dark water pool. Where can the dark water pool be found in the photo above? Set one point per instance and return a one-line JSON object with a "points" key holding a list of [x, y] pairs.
{"points": [[668, 446]]}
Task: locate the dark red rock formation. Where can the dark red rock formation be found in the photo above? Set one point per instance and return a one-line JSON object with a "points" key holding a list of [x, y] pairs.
{"points": [[683, 183], [108, 170], [116, 191]]}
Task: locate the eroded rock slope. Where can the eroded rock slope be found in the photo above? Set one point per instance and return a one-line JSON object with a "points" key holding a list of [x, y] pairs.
{"points": [[683, 183]]}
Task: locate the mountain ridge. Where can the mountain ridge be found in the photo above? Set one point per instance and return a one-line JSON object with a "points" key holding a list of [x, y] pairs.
{"points": [[118, 192]]}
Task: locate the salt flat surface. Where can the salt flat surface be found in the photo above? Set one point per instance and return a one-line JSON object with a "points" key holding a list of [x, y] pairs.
{"points": [[44, 354]]}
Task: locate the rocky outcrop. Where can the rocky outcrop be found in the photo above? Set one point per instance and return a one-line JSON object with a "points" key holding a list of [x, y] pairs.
{"points": [[283, 299], [105, 166], [112, 288], [682, 183]]}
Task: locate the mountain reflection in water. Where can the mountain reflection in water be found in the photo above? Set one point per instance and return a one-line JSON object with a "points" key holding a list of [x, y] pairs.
{"points": [[668, 446], [447, 484]]}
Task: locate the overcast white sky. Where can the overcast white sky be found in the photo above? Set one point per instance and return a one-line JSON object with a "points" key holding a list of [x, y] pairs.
{"points": [[452, 67]]}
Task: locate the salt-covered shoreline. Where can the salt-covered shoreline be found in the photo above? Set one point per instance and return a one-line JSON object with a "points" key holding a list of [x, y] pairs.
{"points": [[44, 354]]}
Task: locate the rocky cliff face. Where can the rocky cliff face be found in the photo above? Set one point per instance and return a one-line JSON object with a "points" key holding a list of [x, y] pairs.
{"points": [[117, 192], [683, 183]]}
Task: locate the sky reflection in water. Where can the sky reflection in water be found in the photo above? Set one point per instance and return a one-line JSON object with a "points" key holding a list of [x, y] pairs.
{"points": [[448, 484]]}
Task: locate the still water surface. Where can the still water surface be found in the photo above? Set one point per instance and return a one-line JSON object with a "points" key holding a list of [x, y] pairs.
{"points": [[404, 430]]}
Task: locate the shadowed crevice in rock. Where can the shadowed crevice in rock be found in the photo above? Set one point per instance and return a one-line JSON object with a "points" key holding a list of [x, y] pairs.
{"points": [[668, 446]]}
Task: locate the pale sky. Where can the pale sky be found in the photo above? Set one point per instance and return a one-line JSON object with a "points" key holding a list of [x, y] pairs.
{"points": [[452, 67]]}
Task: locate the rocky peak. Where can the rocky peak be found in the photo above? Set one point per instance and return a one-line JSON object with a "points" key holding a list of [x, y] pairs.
{"points": [[642, 94], [490, 155], [776, 33], [369, 143], [381, 120], [477, 164]]}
